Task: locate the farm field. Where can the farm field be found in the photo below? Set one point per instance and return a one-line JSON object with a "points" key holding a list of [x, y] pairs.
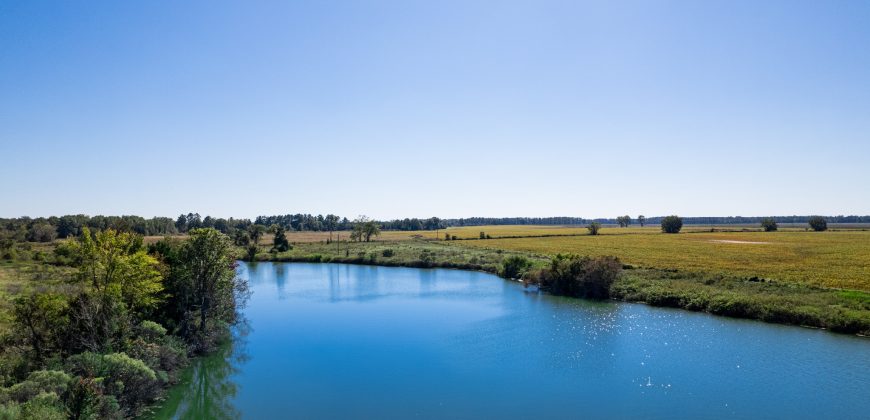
{"points": [[835, 259], [838, 258], [511, 231]]}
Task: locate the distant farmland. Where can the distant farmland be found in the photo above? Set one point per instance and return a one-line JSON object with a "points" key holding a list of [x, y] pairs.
{"points": [[837, 259]]}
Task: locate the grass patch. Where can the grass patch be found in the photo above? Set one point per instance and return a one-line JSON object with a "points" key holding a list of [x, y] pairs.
{"points": [[825, 259], [847, 312]]}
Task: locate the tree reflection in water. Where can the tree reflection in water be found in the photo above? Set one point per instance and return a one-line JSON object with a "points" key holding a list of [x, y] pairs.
{"points": [[207, 390]]}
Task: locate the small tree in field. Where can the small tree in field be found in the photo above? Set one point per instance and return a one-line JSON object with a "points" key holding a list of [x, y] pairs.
{"points": [[769, 224], [672, 224], [594, 227], [818, 223], [280, 243], [641, 219]]}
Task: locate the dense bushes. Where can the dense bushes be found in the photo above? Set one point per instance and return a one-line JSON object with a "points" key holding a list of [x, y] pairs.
{"points": [[818, 223], [672, 224], [121, 327], [769, 224], [514, 267], [571, 275]]}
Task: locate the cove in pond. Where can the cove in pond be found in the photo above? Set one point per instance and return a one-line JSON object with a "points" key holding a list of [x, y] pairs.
{"points": [[346, 341]]}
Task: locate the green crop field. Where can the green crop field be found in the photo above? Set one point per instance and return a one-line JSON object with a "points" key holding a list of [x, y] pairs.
{"points": [[838, 259]]}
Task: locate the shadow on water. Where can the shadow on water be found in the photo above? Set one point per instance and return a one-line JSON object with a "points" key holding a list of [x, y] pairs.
{"points": [[207, 388]]}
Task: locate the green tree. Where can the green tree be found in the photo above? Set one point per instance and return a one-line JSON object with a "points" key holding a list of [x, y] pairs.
{"points": [[364, 229], [280, 242], [41, 232], [205, 287], [594, 227], [331, 223], [624, 221], [769, 224], [256, 232], [116, 266], [818, 223], [39, 320], [641, 220], [672, 224]]}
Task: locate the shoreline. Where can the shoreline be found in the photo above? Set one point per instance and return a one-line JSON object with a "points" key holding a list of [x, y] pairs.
{"points": [[784, 304]]}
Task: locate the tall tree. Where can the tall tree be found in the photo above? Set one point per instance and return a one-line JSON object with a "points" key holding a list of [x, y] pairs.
{"points": [[116, 265], [256, 232], [331, 223], [206, 286], [641, 219]]}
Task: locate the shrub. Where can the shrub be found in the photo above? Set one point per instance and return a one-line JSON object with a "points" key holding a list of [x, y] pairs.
{"points": [[388, 253], [576, 276], [594, 227], [45, 406], [151, 330], [514, 267], [769, 224], [128, 379], [482, 235], [672, 224], [84, 400], [818, 223], [39, 382]]}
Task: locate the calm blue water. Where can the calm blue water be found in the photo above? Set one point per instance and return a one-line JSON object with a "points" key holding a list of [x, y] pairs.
{"points": [[343, 341]]}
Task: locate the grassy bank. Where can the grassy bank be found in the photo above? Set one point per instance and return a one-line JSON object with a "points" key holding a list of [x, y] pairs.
{"points": [[731, 295], [419, 254]]}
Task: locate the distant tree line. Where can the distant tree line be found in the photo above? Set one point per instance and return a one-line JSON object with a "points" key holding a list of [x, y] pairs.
{"points": [[331, 222], [483, 221], [47, 229]]}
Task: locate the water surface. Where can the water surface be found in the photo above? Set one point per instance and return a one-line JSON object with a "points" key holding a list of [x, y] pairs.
{"points": [[344, 341]]}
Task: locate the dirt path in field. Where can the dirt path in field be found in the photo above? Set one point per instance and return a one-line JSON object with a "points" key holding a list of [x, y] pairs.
{"points": [[727, 241]]}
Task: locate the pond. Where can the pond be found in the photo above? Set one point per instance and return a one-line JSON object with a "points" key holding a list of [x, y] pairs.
{"points": [[346, 341]]}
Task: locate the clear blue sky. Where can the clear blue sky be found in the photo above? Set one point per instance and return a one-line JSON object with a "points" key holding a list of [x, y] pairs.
{"points": [[414, 109]]}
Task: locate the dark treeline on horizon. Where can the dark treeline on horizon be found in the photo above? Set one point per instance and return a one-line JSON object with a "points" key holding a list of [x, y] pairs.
{"points": [[46, 229]]}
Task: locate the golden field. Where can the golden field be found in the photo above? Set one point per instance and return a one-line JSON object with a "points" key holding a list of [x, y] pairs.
{"points": [[837, 259]]}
